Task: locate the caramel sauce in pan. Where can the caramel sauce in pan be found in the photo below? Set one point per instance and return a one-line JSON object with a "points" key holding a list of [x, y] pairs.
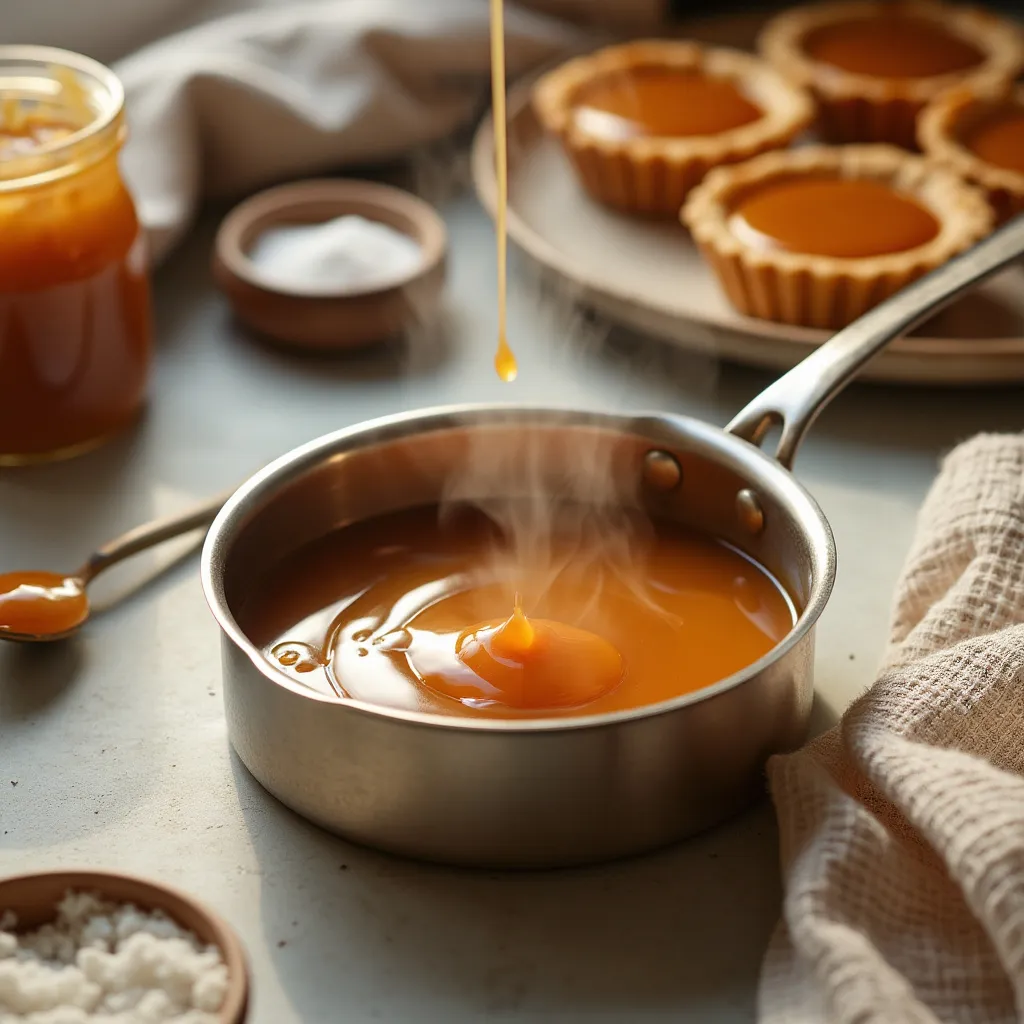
{"points": [[40, 604], [412, 611], [999, 139], [892, 46], [833, 217], [661, 102]]}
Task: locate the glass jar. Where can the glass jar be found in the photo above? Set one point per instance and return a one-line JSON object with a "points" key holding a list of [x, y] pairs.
{"points": [[75, 328]]}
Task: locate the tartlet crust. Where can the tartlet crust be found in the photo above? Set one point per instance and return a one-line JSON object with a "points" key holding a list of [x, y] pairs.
{"points": [[653, 175], [864, 108], [939, 134], [825, 291]]}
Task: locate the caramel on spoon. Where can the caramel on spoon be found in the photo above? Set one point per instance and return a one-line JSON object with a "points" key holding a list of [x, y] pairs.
{"points": [[44, 606]]}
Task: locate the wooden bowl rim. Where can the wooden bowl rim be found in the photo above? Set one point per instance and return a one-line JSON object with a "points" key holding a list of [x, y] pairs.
{"points": [[153, 896]]}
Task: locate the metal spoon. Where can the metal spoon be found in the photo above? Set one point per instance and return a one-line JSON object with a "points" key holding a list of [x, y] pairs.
{"points": [[41, 607]]}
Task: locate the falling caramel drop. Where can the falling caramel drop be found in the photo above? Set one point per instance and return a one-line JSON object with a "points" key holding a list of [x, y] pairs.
{"points": [[504, 361]]}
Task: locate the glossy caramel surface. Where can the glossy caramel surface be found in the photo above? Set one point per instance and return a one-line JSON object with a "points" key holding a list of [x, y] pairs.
{"points": [[381, 611], [522, 663], [40, 604], [661, 102], [836, 217], [998, 139], [892, 46]]}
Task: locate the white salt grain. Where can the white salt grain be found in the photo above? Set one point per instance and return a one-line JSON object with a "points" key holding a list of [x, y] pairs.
{"points": [[342, 256], [100, 963]]}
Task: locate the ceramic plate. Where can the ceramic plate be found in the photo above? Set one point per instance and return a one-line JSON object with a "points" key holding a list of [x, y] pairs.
{"points": [[649, 276]]}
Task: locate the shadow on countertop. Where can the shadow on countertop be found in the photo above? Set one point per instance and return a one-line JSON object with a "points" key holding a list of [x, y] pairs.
{"points": [[650, 936]]}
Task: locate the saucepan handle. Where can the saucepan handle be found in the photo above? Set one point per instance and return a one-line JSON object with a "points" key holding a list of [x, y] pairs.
{"points": [[795, 399]]}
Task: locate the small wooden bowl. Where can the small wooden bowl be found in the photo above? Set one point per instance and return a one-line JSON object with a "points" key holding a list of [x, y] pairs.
{"points": [[34, 898], [348, 319]]}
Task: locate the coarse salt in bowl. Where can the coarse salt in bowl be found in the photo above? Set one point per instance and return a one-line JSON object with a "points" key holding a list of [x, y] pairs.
{"points": [[330, 265], [96, 948], [345, 255]]}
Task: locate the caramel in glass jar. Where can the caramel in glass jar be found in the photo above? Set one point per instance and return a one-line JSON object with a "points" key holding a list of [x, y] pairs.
{"points": [[75, 330]]}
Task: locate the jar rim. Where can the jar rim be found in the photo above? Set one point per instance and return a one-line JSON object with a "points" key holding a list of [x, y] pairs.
{"points": [[62, 157]]}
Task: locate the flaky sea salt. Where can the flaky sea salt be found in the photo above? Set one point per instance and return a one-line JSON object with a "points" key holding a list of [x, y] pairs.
{"points": [[341, 256], [101, 963]]}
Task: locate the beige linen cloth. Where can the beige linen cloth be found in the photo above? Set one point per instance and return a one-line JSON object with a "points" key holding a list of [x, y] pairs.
{"points": [[281, 89], [902, 829], [292, 90]]}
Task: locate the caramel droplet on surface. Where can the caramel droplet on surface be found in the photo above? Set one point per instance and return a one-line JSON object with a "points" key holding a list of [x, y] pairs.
{"points": [[301, 658]]}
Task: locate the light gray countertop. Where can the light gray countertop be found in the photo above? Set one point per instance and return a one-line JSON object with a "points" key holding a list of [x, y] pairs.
{"points": [[113, 750]]}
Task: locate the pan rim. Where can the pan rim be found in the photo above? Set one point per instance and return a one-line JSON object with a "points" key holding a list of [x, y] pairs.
{"points": [[731, 451]]}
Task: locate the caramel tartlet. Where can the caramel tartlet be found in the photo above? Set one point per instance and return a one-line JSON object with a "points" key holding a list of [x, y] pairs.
{"points": [[817, 236], [980, 135], [873, 65], [644, 122]]}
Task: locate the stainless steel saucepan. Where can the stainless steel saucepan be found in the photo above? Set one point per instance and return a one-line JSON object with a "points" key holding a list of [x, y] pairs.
{"points": [[555, 791]]}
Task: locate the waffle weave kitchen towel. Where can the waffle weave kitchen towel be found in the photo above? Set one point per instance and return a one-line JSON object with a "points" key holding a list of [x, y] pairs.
{"points": [[902, 829]]}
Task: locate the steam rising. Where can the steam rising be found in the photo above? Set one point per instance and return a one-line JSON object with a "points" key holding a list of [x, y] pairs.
{"points": [[563, 502], [566, 499]]}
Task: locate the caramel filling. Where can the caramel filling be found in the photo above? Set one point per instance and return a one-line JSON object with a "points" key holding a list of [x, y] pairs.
{"points": [[832, 217], [999, 139], [661, 102], [892, 46]]}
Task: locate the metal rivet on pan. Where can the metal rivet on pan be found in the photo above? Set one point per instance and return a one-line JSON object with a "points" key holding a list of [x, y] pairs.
{"points": [[749, 510], [662, 471]]}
